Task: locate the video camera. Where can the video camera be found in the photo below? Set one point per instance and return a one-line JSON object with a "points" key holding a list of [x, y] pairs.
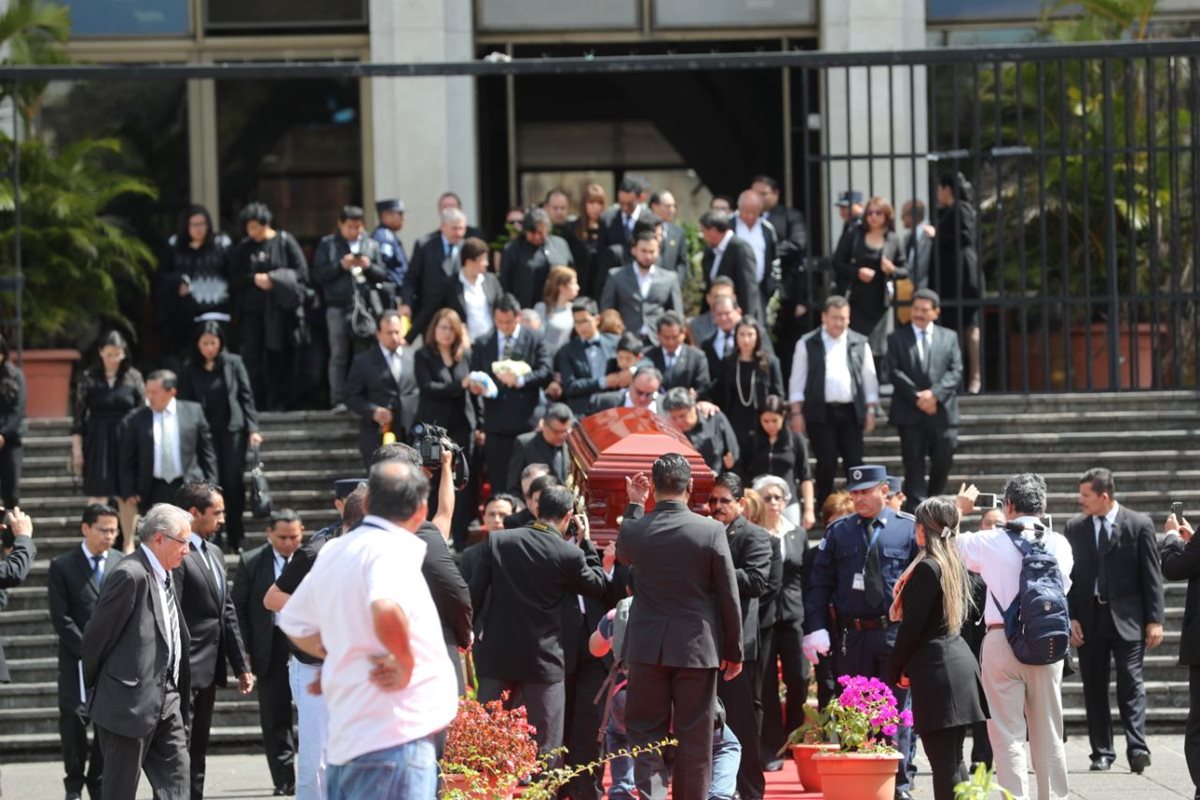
{"points": [[429, 441]]}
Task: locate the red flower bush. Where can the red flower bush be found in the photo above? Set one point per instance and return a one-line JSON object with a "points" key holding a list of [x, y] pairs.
{"points": [[491, 745]]}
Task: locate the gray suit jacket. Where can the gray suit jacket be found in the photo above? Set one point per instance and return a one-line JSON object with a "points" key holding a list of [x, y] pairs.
{"points": [[621, 292], [199, 457], [918, 257], [942, 373], [126, 649]]}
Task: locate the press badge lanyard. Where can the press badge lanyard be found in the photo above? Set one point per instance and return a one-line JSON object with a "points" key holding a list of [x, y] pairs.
{"points": [[860, 583]]}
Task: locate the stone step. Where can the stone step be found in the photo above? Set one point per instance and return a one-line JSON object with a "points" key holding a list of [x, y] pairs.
{"points": [[239, 713], [247, 738], [38, 645], [342, 459]]}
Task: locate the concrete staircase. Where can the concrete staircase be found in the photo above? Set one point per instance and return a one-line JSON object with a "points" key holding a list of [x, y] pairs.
{"points": [[1148, 439]]}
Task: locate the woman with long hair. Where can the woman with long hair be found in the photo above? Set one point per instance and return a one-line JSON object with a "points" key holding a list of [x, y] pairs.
{"points": [[108, 390], [584, 237], [745, 379], [931, 601], [193, 279], [775, 449], [955, 273], [441, 368], [13, 427], [218, 381], [561, 289]]}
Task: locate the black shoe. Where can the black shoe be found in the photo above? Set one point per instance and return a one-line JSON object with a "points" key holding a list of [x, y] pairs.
{"points": [[74, 796], [1101, 764], [1138, 762], [902, 794], [774, 765]]}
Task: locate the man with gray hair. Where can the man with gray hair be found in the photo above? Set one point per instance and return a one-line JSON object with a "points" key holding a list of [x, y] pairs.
{"points": [[1021, 697], [387, 679], [135, 663], [527, 260], [435, 258]]}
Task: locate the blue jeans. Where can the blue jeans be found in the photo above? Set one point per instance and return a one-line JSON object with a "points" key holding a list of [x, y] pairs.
{"points": [[313, 717], [727, 757], [405, 772], [620, 769]]}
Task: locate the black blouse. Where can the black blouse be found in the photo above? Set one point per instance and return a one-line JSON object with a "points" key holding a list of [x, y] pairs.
{"points": [[787, 458]]}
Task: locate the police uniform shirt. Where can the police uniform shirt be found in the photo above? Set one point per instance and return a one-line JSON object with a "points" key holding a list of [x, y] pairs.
{"points": [[842, 556], [391, 252]]}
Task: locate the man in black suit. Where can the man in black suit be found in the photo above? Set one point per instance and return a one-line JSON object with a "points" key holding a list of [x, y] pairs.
{"points": [[726, 314], [343, 260], [135, 663], [547, 444], [616, 225], [918, 243], [211, 621], [640, 291], [703, 326], [267, 645], [643, 392], [511, 412], [527, 259], [1116, 601], [435, 257], [164, 444], [681, 364], [833, 391], [580, 364], [673, 253], [472, 291], [382, 388], [1181, 562], [74, 584], [522, 579], [758, 570], [926, 368], [711, 435], [752, 227], [535, 479], [798, 287], [850, 208], [728, 255], [685, 626]]}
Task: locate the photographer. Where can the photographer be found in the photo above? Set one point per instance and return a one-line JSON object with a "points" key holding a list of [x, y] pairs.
{"points": [[1180, 551], [19, 552]]}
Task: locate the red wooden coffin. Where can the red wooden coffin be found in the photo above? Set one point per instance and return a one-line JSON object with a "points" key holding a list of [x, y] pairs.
{"points": [[609, 446]]}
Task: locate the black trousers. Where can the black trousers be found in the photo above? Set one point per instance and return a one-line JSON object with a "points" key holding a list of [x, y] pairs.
{"points": [[1191, 733], [785, 650], [231, 467], [654, 693], [11, 458], [497, 452], [200, 725], [544, 701], [1100, 644], [160, 492], [944, 749], [840, 435], [275, 714], [582, 723], [926, 439], [163, 755], [743, 713], [82, 764]]}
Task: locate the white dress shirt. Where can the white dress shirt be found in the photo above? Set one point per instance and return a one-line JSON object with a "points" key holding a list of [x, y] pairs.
{"points": [[90, 556], [757, 240], [838, 386], [475, 303], [394, 360], [718, 252], [998, 562], [923, 343], [376, 561], [652, 408], [723, 343], [166, 423], [174, 642], [1111, 518]]}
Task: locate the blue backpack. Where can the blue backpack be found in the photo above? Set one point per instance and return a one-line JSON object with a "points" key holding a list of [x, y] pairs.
{"points": [[1038, 622]]}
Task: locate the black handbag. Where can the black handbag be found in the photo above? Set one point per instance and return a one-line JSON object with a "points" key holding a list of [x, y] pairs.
{"points": [[260, 490]]}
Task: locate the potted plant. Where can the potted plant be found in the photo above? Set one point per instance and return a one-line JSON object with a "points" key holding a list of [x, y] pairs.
{"points": [[863, 720], [489, 749], [805, 742]]}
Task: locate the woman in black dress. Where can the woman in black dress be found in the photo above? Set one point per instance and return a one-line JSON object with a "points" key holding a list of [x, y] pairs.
{"points": [[193, 279], [441, 368], [13, 427], [744, 381], [104, 394], [932, 598], [955, 273], [584, 238], [775, 449], [217, 380]]}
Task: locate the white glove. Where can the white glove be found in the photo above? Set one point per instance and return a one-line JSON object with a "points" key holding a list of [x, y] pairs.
{"points": [[816, 644]]}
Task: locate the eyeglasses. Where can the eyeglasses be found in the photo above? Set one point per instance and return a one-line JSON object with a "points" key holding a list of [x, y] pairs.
{"points": [[114, 531], [875, 212], [772, 498], [721, 501], [175, 538]]}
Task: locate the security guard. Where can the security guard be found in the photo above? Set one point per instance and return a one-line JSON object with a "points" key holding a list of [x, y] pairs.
{"points": [[860, 559], [391, 250]]}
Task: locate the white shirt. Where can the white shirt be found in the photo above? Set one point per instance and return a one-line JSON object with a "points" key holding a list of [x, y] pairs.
{"points": [[475, 303], [998, 562], [160, 580], [1111, 518], [89, 555], [718, 252], [838, 386], [166, 421], [394, 359], [758, 243], [643, 279], [200, 545], [923, 347], [652, 408], [376, 561], [723, 343]]}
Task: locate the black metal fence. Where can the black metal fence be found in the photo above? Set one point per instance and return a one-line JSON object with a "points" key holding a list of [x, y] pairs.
{"points": [[1081, 159]]}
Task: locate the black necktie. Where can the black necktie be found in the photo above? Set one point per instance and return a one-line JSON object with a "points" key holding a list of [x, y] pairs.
{"points": [[1101, 549], [873, 570], [509, 341]]}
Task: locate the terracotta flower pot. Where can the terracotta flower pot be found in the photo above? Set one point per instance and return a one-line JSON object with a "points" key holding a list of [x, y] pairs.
{"points": [[463, 782], [857, 776], [48, 382], [806, 770]]}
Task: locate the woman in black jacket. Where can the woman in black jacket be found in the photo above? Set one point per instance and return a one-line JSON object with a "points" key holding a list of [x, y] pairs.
{"points": [[744, 381], [13, 427], [775, 449], [955, 273], [441, 368], [930, 656], [193, 279], [217, 380]]}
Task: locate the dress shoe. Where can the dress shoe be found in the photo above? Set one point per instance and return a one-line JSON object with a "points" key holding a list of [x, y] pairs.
{"points": [[903, 794], [774, 765], [1138, 762], [74, 796], [1101, 764]]}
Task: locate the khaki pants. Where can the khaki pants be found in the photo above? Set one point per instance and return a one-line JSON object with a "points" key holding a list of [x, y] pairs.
{"points": [[1018, 692]]}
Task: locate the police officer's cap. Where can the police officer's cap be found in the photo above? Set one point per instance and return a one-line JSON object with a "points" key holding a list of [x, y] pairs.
{"points": [[865, 477], [894, 486], [848, 198], [343, 487], [389, 205]]}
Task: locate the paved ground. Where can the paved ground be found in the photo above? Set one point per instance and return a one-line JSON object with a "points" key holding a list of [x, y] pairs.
{"points": [[245, 777]]}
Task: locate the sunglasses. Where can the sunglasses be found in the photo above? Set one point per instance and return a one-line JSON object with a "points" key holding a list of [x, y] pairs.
{"points": [[875, 212], [773, 498]]}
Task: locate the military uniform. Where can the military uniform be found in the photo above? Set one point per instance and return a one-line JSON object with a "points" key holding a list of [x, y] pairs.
{"points": [[859, 627]]}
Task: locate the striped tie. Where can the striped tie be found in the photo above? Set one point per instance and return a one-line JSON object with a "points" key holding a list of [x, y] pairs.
{"points": [[172, 610]]}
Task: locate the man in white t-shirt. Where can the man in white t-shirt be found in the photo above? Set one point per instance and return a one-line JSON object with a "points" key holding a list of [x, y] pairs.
{"points": [[387, 679]]}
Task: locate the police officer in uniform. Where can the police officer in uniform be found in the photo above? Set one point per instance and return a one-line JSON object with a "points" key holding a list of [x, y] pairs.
{"points": [[391, 250], [858, 563]]}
